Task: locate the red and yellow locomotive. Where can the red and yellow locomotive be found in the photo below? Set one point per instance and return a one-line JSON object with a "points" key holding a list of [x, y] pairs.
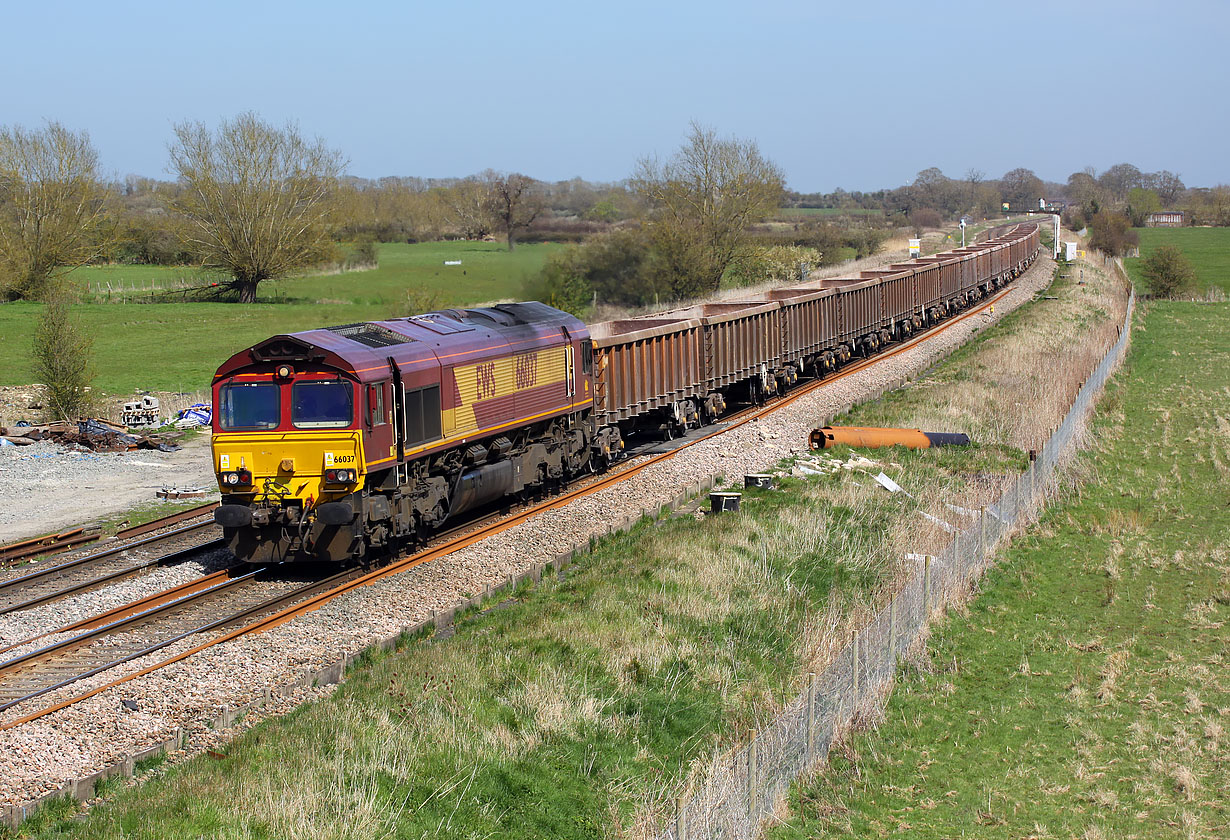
{"points": [[332, 442]]}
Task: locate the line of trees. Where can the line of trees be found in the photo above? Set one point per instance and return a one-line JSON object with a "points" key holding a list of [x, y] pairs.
{"points": [[253, 200], [258, 201]]}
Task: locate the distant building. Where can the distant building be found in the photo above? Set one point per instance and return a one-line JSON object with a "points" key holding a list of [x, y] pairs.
{"points": [[1166, 218]]}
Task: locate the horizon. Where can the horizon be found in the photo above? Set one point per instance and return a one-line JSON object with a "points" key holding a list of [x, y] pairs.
{"points": [[859, 99]]}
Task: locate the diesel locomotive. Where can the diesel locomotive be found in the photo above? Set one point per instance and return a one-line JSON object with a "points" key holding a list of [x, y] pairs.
{"points": [[335, 443]]}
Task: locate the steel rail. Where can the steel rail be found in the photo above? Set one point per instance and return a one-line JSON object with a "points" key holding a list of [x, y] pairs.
{"points": [[18, 583], [54, 543], [130, 608], [263, 606], [119, 574], [282, 616]]}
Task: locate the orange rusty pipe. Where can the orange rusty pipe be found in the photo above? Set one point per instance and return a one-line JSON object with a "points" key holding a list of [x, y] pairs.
{"points": [[876, 438]]}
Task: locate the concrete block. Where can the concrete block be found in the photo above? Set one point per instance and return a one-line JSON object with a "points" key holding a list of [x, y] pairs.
{"points": [[331, 674], [83, 788]]}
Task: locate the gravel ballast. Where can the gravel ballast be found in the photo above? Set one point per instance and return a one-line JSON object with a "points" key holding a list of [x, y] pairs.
{"points": [[44, 754]]}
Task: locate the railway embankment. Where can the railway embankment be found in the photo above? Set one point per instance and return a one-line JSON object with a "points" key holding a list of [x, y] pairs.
{"points": [[598, 694], [1082, 693]]}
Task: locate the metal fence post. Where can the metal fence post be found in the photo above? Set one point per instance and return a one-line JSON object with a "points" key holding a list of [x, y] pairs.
{"points": [[926, 610], [811, 718]]}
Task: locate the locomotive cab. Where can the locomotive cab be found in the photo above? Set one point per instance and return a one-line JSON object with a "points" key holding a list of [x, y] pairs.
{"points": [[331, 442], [288, 452]]}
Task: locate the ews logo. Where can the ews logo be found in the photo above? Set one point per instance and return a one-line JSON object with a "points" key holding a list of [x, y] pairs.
{"points": [[527, 371], [484, 380]]}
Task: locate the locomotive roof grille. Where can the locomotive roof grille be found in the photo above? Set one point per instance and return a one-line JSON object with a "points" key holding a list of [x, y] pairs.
{"points": [[371, 335]]}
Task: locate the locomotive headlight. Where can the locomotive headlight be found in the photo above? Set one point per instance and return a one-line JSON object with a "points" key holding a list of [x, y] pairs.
{"points": [[231, 478], [284, 371]]}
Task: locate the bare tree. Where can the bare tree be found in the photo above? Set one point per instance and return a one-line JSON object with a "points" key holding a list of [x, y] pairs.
{"points": [[702, 202], [469, 205], [256, 196], [1021, 188], [53, 215], [1169, 187], [516, 202]]}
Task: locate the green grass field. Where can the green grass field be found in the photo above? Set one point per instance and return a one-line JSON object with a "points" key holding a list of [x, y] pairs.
{"points": [[178, 346], [1207, 248], [1084, 692]]}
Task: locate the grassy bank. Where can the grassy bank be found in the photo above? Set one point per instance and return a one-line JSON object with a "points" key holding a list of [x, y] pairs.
{"points": [[578, 708], [1207, 248], [178, 346], [1084, 693]]}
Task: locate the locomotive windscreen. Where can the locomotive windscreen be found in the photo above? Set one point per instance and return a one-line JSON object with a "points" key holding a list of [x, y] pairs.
{"points": [[249, 405], [321, 405]]}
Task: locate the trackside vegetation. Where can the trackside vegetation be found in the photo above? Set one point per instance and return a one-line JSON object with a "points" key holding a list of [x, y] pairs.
{"points": [[580, 707], [1083, 693]]}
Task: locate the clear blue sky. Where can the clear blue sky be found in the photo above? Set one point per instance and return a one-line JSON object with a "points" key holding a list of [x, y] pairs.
{"points": [[858, 94]]}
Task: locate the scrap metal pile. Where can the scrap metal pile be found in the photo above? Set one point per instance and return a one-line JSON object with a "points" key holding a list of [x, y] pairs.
{"points": [[87, 435]]}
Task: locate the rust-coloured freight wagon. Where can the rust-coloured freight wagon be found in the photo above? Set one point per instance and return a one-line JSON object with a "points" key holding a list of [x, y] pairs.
{"points": [[644, 364]]}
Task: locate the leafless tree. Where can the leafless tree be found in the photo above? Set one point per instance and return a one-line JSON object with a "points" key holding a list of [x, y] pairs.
{"points": [[702, 202], [516, 202], [469, 204], [53, 214], [1021, 188], [256, 197]]}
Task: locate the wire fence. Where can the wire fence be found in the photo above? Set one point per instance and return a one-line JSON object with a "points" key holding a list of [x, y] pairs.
{"points": [[742, 789]]}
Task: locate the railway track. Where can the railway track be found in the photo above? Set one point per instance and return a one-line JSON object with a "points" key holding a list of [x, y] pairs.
{"points": [[26, 550], [52, 583], [313, 596], [213, 604]]}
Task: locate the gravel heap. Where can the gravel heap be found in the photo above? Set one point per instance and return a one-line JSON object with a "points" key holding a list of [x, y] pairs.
{"points": [[96, 732]]}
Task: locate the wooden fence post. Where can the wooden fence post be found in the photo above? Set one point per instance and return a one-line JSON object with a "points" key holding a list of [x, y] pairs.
{"points": [[811, 717], [751, 786], [854, 662], [982, 534], [892, 630]]}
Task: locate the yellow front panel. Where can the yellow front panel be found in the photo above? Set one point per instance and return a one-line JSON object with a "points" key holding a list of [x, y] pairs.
{"points": [[289, 465], [504, 377]]}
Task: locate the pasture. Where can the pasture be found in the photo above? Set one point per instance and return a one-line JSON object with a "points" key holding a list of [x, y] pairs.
{"points": [[1083, 693], [176, 345], [1207, 248]]}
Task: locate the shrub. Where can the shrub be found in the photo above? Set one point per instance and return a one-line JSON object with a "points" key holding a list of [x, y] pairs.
{"points": [[778, 263], [925, 217], [1168, 273], [364, 253], [62, 361], [1112, 232], [615, 267]]}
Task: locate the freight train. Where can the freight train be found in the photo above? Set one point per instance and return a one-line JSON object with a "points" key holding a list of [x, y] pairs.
{"points": [[335, 444]]}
